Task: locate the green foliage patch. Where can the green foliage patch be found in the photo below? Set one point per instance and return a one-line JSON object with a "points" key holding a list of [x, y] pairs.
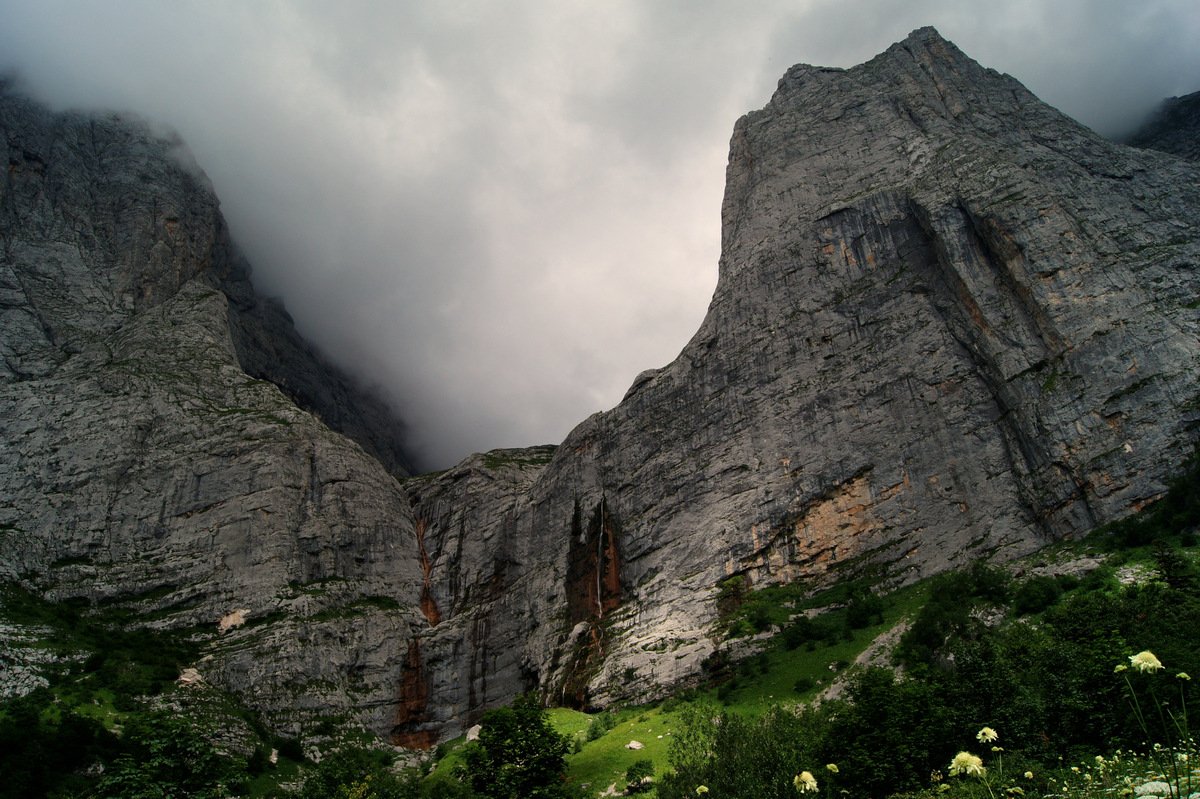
{"points": [[1034, 659], [45, 748], [112, 660], [518, 754]]}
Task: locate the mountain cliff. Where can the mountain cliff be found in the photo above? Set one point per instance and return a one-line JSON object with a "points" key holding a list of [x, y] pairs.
{"points": [[169, 444], [950, 324]]}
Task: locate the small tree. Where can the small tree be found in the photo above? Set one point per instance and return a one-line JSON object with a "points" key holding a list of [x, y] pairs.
{"points": [[167, 757], [637, 774], [354, 772], [1175, 569], [518, 754]]}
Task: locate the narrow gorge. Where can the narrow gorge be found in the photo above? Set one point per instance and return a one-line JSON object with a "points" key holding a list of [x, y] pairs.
{"points": [[951, 324]]}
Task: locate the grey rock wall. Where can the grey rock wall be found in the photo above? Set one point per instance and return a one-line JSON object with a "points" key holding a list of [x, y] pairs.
{"points": [[140, 463], [951, 324]]}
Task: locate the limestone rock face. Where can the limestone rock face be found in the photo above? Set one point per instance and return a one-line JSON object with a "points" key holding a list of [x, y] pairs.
{"points": [[1174, 128], [485, 578], [141, 464], [951, 323], [268, 347]]}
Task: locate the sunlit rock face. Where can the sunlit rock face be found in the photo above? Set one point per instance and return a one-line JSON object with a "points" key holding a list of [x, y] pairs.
{"points": [[950, 324]]}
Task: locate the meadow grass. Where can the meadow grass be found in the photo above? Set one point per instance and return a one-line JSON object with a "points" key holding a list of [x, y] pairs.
{"points": [[771, 678], [764, 681], [604, 761]]}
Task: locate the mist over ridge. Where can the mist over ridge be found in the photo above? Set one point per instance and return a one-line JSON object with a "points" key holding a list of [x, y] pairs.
{"points": [[500, 219]]}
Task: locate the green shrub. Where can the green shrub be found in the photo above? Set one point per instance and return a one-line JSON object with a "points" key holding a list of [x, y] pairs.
{"points": [[43, 753], [636, 776], [1101, 578], [759, 618], [864, 609], [731, 593], [811, 631], [735, 756], [518, 754], [166, 756], [1174, 567], [1067, 582], [1035, 595], [600, 725], [947, 614], [359, 772]]}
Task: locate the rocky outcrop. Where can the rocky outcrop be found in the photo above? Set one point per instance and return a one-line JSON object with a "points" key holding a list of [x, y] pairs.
{"points": [[140, 464], [483, 580], [102, 220], [951, 324], [1174, 128]]}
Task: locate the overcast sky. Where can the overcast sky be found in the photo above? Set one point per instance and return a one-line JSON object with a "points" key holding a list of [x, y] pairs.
{"points": [[500, 213]]}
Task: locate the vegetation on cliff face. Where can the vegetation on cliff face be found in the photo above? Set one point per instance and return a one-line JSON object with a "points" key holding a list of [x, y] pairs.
{"points": [[1030, 653], [1054, 659], [1047, 681], [518, 755]]}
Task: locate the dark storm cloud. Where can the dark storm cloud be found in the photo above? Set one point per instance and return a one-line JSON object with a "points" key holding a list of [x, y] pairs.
{"points": [[502, 212]]}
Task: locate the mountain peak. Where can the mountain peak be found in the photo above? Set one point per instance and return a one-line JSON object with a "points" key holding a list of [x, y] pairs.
{"points": [[1173, 128], [927, 36], [922, 76]]}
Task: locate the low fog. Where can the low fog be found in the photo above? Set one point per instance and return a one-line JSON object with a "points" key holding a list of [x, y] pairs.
{"points": [[500, 213]]}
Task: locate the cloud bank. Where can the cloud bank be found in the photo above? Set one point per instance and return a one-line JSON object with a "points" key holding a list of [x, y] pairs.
{"points": [[500, 213]]}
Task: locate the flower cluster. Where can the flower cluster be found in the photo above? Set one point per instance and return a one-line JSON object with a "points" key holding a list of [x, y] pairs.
{"points": [[1175, 774], [1145, 661], [967, 763], [805, 782]]}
